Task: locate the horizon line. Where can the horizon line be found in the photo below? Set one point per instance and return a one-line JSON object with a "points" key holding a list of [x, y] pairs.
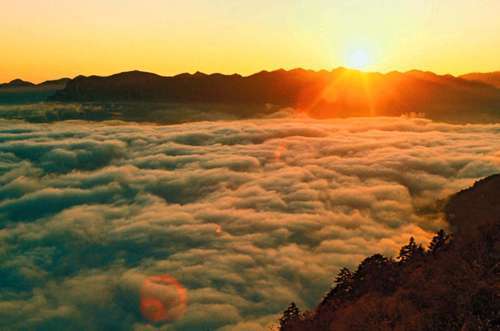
{"points": [[383, 72]]}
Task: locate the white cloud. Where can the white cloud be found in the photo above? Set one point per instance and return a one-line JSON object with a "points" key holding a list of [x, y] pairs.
{"points": [[247, 215]]}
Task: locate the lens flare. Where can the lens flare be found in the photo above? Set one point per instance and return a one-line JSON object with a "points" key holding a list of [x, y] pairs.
{"points": [[163, 299]]}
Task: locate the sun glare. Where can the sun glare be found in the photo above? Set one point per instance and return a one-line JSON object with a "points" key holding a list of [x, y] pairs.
{"points": [[358, 59]]}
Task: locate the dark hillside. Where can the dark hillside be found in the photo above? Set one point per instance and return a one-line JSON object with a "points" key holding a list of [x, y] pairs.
{"points": [[492, 78], [454, 284]]}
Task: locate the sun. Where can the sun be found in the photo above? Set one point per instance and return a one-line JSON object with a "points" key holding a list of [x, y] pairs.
{"points": [[358, 59]]}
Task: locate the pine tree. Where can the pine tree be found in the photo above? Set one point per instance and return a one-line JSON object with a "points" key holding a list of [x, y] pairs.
{"points": [[343, 281], [411, 251], [439, 241], [342, 287], [290, 315], [344, 276]]}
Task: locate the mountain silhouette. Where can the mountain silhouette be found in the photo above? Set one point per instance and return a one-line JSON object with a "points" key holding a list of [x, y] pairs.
{"points": [[492, 78], [16, 83], [19, 91], [323, 94], [337, 93]]}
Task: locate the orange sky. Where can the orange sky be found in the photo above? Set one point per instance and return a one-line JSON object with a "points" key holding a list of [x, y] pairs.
{"points": [[56, 38]]}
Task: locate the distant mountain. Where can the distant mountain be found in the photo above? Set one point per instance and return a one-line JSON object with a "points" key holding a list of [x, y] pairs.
{"points": [[16, 83], [337, 93], [59, 82], [453, 285], [492, 78], [19, 91]]}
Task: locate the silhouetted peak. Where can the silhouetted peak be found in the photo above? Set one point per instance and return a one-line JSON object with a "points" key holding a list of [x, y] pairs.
{"points": [[260, 74], [199, 74], [17, 83], [300, 70], [79, 77], [340, 70], [134, 74]]}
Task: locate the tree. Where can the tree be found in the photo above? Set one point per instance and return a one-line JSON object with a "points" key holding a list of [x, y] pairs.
{"points": [[290, 315], [343, 282], [375, 273], [343, 287], [411, 251], [371, 266], [344, 277], [439, 241]]}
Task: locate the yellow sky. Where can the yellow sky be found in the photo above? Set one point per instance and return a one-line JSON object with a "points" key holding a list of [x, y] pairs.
{"points": [[46, 39]]}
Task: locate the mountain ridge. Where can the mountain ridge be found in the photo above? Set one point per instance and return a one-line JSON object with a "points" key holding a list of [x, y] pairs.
{"points": [[491, 78], [19, 91], [468, 76], [23, 83], [340, 92], [17, 83]]}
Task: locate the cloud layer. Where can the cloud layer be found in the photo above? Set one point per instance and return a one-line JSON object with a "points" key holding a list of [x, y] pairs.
{"points": [[246, 215]]}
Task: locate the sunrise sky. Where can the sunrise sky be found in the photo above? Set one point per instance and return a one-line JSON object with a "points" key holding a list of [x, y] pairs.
{"points": [[56, 38]]}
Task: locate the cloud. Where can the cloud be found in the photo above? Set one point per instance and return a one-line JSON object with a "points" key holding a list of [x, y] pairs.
{"points": [[247, 215]]}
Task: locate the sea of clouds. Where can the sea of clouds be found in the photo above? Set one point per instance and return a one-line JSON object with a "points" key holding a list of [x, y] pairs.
{"points": [[247, 215]]}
